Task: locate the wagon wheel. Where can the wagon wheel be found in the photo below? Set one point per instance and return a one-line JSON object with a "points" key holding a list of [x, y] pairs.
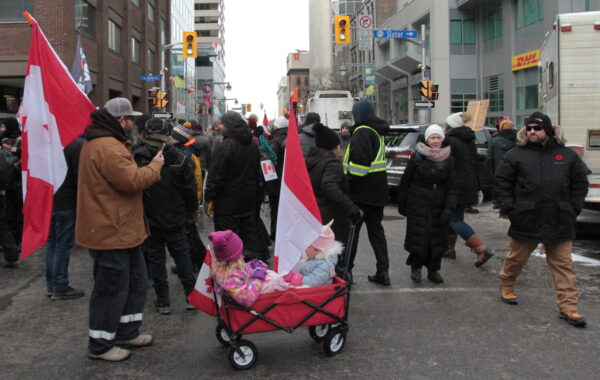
{"points": [[334, 342], [318, 332], [222, 335], [244, 356]]}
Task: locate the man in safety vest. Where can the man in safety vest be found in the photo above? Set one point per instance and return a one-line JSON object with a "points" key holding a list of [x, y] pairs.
{"points": [[364, 164]]}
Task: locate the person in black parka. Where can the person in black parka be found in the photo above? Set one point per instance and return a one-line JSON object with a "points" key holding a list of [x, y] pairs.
{"points": [[168, 205], [427, 197], [330, 185], [461, 139], [277, 143], [233, 182]]}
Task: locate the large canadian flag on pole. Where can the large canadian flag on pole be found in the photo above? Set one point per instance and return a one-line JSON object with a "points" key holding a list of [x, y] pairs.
{"points": [[298, 217], [54, 112]]}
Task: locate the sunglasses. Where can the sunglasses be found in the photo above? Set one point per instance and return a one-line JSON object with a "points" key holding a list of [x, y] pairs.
{"points": [[536, 128]]}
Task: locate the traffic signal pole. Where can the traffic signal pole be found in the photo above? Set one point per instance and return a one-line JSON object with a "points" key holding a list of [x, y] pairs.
{"points": [[424, 114]]}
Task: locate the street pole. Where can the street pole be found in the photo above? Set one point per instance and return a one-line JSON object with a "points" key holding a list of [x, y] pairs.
{"points": [[424, 114]]}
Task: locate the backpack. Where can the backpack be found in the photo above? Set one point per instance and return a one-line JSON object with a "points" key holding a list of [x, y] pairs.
{"points": [[7, 168]]}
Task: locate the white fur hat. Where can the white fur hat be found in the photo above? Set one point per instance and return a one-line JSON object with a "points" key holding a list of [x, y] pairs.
{"points": [[455, 120], [434, 129], [281, 122]]}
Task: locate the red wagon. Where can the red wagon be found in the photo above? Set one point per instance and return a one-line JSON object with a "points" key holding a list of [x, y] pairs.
{"points": [[323, 309]]}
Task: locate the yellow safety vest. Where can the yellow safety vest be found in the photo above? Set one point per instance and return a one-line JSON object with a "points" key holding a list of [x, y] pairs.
{"points": [[377, 165]]}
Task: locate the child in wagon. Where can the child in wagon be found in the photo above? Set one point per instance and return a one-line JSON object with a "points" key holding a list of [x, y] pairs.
{"points": [[318, 261], [244, 282]]}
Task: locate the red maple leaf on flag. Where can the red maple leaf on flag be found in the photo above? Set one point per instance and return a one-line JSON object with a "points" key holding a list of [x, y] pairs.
{"points": [[209, 287]]}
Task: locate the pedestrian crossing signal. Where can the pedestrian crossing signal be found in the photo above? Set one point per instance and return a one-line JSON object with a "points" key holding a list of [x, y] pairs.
{"points": [[342, 29]]}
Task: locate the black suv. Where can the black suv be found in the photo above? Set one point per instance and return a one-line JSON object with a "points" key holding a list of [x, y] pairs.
{"points": [[400, 144]]}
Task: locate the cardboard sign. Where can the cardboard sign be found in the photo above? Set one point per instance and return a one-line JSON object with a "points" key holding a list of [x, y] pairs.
{"points": [[478, 110], [268, 170]]}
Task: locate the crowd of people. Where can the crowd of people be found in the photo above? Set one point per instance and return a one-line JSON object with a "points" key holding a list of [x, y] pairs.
{"points": [[136, 184]]}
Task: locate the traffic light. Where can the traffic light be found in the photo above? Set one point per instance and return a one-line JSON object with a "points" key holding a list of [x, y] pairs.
{"points": [[249, 107], [426, 88], [160, 100], [295, 95], [342, 29], [190, 45], [152, 95], [434, 91]]}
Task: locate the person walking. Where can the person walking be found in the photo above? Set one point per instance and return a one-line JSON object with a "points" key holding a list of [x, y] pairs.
{"points": [[344, 136], [330, 185], [233, 183], [11, 142], [502, 142], [61, 236], [110, 223], [365, 166], [427, 197], [168, 205], [541, 186], [8, 176], [461, 139], [307, 133]]}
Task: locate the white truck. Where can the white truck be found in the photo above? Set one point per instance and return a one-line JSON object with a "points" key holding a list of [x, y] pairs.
{"points": [[569, 93], [334, 107]]}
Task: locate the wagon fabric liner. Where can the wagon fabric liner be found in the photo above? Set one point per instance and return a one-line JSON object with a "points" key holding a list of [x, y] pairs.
{"points": [[289, 308]]}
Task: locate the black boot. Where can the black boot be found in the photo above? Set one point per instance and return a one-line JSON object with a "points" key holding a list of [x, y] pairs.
{"points": [[381, 277], [434, 276], [415, 274]]}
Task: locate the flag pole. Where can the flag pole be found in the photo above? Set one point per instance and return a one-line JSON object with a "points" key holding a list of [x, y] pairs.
{"points": [[28, 17]]}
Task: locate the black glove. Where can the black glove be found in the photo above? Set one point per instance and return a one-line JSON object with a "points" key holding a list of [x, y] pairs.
{"points": [[402, 209], [356, 216], [446, 216]]}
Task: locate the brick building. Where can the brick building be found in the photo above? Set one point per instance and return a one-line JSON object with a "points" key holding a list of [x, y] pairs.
{"points": [[121, 39]]}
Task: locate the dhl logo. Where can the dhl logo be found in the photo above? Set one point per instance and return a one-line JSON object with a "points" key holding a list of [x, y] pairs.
{"points": [[523, 61]]}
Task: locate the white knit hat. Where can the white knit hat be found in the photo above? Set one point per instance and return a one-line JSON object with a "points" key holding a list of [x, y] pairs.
{"points": [[455, 120], [281, 122], [434, 129]]}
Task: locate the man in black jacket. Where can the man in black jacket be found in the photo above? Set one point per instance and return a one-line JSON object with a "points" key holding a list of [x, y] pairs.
{"points": [[233, 181], [273, 188], [541, 186], [168, 205], [365, 166]]}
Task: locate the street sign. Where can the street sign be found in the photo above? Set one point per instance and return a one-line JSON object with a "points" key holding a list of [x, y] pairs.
{"points": [[164, 115], [394, 33], [365, 37], [424, 105], [150, 78]]}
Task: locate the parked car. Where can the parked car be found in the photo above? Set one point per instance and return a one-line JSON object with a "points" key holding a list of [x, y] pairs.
{"points": [[401, 144]]}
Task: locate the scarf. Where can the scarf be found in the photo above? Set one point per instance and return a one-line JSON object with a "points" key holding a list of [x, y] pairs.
{"points": [[434, 154]]}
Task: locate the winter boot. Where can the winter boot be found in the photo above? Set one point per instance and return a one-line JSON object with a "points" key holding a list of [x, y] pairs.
{"points": [[435, 276], [142, 340], [451, 252], [483, 253], [573, 317], [509, 296], [381, 277], [115, 354], [415, 274]]}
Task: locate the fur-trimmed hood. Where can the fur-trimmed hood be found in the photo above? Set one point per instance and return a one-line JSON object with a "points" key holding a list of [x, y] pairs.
{"points": [[336, 249], [522, 138]]}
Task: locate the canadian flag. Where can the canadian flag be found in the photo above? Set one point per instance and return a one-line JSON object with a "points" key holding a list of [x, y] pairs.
{"points": [[202, 295], [298, 216], [54, 112]]}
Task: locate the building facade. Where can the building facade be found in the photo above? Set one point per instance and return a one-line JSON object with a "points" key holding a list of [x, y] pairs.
{"points": [[470, 46], [183, 71], [121, 40], [209, 23], [298, 64]]}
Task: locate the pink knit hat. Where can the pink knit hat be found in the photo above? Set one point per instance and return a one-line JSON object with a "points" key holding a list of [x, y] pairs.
{"points": [[227, 245], [325, 240]]}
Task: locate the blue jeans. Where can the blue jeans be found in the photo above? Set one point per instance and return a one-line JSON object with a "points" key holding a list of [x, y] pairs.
{"points": [[58, 249], [458, 224]]}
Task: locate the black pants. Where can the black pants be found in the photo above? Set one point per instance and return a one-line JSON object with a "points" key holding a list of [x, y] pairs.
{"points": [[243, 226], [179, 251], [273, 206], [430, 261], [197, 248], [117, 301], [372, 219], [7, 240]]}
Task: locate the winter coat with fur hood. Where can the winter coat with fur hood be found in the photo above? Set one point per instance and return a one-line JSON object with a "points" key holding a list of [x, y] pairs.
{"points": [[542, 189], [320, 270]]}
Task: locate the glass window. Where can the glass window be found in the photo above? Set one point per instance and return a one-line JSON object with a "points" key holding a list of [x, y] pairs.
{"points": [[136, 2], [12, 10], [531, 97], [587, 5], [209, 6], [135, 50], [459, 102], [456, 32], [85, 18], [469, 32], [150, 12], [518, 14], [114, 37], [520, 98], [531, 11], [151, 59], [492, 25]]}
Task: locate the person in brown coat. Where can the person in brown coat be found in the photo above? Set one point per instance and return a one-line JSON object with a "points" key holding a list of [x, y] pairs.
{"points": [[110, 223]]}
